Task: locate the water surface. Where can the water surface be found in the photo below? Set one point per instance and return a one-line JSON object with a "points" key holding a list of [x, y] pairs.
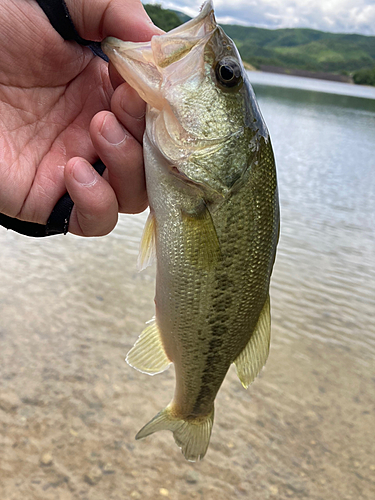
{"points": [[70, 308]]}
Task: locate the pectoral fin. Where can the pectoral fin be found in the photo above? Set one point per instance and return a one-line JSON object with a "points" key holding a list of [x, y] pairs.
{"points": [[255, 354], [148, 354], [147, 249], [201, 243]]}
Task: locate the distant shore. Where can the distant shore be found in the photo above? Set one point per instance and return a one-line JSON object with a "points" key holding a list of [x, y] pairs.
{"points": [[307, 74]]}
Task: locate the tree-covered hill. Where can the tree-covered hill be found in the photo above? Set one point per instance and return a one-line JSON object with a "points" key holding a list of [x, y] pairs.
{"points": [[163, 18], [297, 48], [303, 48]]}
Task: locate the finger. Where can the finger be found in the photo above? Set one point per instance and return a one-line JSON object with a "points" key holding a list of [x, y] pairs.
{"points": [[95, 209], [114, 75], [125, 20], [130, 110], [123, 156]]}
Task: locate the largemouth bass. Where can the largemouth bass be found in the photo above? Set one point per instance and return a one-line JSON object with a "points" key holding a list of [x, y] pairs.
{"points": [[213, 223]]}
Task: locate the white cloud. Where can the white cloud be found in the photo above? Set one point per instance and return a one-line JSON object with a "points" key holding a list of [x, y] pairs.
{"points": [[340, 16]]}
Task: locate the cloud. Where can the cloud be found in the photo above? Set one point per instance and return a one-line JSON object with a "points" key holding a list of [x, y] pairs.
{"points": [[339, 16]]}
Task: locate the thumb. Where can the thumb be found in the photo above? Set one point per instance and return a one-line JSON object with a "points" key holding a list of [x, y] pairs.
{"points": [[95, 209], [124, 19]]}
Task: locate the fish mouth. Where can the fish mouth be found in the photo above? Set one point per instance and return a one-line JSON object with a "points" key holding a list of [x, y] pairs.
{"points": [[146, 65]]}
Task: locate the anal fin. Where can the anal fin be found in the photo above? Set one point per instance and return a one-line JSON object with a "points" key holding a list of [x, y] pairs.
{"points": [[148, 354], [254, 356]]}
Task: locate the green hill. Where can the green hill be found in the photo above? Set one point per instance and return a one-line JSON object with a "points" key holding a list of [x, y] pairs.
{"points": [[302, 48], [297, 48], [163, 18]]}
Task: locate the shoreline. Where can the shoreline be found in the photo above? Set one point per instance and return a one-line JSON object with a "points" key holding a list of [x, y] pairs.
{"points": [[258, 77], [307, 74]]}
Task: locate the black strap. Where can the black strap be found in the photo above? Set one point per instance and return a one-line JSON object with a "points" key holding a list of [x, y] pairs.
{"points": [[58, 15], [22, 227], [58, 222]]}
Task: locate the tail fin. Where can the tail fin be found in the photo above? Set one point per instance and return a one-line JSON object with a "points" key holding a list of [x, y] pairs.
{"points": [[192, 436]]}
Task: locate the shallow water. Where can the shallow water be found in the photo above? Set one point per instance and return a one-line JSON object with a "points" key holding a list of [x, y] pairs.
{"points": [[70, 308]]}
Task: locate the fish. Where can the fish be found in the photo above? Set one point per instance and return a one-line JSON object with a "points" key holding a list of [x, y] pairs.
{"points": [[213, 223]]}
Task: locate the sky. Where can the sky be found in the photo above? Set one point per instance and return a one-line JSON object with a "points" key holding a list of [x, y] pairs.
{"points": [[338, 16]]}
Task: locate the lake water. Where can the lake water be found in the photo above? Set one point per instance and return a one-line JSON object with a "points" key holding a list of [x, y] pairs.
{"points": [[70, 309]]}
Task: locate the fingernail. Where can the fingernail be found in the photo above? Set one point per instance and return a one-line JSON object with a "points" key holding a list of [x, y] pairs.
{"points": [[112, 131], [84, 173]]}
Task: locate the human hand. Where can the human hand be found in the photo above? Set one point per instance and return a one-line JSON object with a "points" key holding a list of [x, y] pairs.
{"points": [[54, 118]]}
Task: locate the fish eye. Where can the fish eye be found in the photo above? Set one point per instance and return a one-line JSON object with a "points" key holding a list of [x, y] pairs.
{"points": [[228, 73]]}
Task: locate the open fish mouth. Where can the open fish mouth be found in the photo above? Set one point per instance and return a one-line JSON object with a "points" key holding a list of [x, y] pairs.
{"points": [[145, 65]]}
